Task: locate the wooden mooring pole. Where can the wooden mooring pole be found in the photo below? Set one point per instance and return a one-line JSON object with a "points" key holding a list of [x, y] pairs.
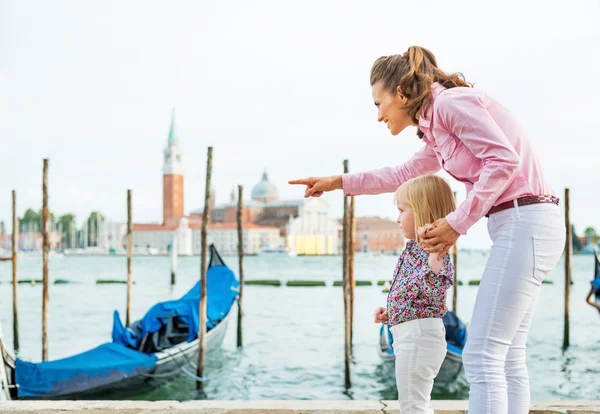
{"points": [[346, 287], [568, 254], [129, 259], [174, 253], [15, 279], [203, 272], [45, 252], [4, 390], [240, 208]]}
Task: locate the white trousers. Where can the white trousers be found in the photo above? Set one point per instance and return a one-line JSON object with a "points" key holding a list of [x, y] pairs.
{"points": [[528, 241], [420, 349]]}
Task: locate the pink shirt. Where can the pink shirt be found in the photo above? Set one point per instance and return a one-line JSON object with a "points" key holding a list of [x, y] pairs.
{"points": [[478, 142]]}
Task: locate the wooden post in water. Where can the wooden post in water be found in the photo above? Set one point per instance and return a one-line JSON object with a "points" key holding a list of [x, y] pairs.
{"points": [[346, 287], [351, 279], [15, 280], [241, 263], [45, 252], [568, 253], [129, 259], [174, 252], [4, 391], [203, 271], [455, 263]]}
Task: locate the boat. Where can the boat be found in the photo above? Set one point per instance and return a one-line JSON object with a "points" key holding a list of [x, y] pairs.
{"points": [[451, 370], [56, 255], [276, 251], [5, 388], [141, 357]]}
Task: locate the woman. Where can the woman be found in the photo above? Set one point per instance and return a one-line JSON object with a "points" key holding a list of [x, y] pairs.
{"points": [[478, 142]]}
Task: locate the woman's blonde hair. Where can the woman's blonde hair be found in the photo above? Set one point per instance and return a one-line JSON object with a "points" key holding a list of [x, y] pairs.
{"points": [[430, 198], [414, 72]]}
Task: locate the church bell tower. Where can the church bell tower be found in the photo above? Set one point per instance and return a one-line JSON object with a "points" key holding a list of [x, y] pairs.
{"points": [[172, 177]]}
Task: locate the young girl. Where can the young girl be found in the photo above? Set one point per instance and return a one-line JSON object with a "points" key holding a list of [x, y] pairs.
{"points": [[417, 298]]}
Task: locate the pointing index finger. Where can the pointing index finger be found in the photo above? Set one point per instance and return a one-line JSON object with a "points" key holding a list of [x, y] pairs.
{"points": [[305, 181]]}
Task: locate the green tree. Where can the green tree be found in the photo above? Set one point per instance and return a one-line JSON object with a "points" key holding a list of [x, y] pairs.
{"points": [[93, 223], [591, 235], [576, 241], [32, 221], [66, 223]]}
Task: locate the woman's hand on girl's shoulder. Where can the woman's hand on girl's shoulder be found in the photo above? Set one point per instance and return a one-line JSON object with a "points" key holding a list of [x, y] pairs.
{"points": [[441, 238], [422, 231]]}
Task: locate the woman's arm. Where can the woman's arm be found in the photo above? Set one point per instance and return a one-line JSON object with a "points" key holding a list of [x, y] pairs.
{"points": [[388, 179], [383, 180]]}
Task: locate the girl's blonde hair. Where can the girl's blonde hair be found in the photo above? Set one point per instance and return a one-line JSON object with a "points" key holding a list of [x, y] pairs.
{"points": [[430, 198]]}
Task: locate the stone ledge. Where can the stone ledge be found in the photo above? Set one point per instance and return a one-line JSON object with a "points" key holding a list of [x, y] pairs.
{"points": [[268, 406]]}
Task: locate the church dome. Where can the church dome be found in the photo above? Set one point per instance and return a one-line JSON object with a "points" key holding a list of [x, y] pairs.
{"points": [[265, 191]]}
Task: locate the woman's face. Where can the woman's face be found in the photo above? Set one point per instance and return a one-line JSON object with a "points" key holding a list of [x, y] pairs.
{"points": [[406, 219], [391, 108]]}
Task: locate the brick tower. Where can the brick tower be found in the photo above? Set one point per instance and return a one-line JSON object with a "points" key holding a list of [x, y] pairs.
{"points": [[172, 177]]}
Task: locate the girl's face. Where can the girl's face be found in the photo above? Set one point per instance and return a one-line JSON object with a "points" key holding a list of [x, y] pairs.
{"points": [[391, 108], [406, 219]]}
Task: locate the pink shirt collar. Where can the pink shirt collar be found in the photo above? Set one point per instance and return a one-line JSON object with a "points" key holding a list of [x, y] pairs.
{"points": [[425, 121]]}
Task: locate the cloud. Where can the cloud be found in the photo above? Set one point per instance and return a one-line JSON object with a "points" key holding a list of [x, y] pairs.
{"points": [[269, 84]]}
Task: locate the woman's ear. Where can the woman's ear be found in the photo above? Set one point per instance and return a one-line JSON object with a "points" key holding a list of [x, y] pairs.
{"points": [[400, 96]]}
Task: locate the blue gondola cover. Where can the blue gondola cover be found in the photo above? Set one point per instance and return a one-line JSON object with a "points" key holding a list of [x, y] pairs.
{"points": [[112, 362], [104, 364], [222, 289]]}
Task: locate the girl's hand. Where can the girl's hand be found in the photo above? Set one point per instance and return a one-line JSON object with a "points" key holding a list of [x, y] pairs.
{"points": [[381, 315], [422, 230], [316, 186], [440, 239]]}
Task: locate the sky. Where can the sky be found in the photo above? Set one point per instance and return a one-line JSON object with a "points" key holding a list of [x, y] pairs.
{"points": [[272, 85]]}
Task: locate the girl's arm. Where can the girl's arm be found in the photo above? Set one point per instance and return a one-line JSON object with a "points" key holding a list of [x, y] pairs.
{"points": [[435, 264], [436, 276]]}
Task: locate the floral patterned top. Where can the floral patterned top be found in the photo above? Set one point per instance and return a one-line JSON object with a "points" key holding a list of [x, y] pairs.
{"points": [[416, 291]]}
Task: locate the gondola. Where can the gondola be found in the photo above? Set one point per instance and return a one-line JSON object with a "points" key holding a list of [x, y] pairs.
{"points": [[141, 357]]}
